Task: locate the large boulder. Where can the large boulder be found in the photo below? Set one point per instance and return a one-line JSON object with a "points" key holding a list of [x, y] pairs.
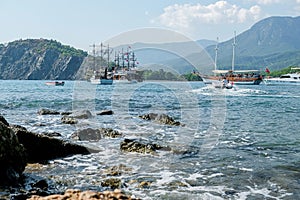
{"points": [[41, 148], [12, 155]]}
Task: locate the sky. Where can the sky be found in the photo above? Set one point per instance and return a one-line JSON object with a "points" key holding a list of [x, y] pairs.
{"points": [[81, 23]]}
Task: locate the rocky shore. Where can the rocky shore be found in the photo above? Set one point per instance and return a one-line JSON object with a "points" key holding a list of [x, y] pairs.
{"points": [[20, 148], [83, 195]]}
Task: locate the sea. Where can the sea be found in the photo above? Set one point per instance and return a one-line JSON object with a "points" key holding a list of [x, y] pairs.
{"points": [[242, 143]]}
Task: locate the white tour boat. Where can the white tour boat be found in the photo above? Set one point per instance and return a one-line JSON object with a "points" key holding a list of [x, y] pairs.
{"points": [[286, 79]]}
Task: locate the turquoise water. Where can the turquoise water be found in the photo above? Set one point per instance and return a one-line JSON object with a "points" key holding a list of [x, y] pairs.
{"points": [[236, 144]]}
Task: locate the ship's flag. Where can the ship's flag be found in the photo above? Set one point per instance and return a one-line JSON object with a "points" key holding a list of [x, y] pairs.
{"points": [[267, 70]]}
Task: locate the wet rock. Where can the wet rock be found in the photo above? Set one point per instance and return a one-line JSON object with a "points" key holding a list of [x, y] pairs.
{"points": [[45, 111], [105, 112], [117, 170], [112, 183], [144, 184], [108, 132], [53, 134], [3, 120], [42, 184], [71, 194], [12, 155], [68, 120], [95, 134], [87, 134], [66, 113], [41, 148], [230, 192], [160, 118], [73, 118], [129, 145], [81, 114], [176, 184]]}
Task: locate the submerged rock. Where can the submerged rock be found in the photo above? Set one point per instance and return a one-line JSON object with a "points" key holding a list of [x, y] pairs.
{"points": [[95, 134], [160, 118], [12, 155]]}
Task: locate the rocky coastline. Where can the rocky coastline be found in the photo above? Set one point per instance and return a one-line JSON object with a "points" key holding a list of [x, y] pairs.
{"points": [[21, 148]]}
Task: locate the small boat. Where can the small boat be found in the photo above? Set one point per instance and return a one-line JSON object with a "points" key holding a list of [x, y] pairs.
{"points": [[97, 79], [286, 79], [55, 83], [222, 84]]}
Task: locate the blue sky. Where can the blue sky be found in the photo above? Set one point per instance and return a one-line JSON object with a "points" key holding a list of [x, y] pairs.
{"points": [[80, 23]]}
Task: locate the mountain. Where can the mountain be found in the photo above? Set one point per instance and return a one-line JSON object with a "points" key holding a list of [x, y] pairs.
{"points": [[272, 42], [162, 52], [37, 59]]}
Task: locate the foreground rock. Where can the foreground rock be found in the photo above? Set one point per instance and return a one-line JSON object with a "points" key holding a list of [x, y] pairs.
{"points": [[90, 134], [82, 195], [41, 148], [160, 118], [129, 145], [12, 155]]}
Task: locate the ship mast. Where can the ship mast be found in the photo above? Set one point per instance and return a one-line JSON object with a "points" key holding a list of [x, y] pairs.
{"points": [[233, 51], [108, 56], [216, 55], [94, 56]]}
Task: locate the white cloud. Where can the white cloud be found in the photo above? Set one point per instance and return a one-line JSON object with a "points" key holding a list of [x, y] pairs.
{"points": [[266, 2], [187, 15]]}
